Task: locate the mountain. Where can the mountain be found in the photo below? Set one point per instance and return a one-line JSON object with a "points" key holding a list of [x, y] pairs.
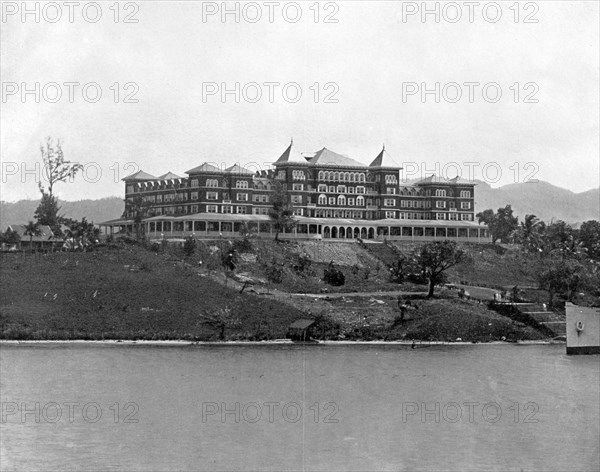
{"points": [[542, 199], [97, 211]]}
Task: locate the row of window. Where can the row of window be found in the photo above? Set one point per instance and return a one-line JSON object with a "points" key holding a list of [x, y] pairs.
{"points": [[330, 176], [340, 189]]}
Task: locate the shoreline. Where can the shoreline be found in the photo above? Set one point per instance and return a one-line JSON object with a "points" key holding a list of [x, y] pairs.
{"points": [[285, 342]]}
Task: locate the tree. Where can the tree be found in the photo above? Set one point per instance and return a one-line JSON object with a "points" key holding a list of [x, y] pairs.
{"points": [[32, 229], [81, 234], [222, 319], [47, 212], [561, 277], [530, 233], [282, 210], [433, 259], [56, 167], [139, 209], [10, 238], [589, 235], [501, 224]]}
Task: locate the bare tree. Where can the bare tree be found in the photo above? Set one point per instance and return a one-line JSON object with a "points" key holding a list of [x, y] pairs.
{"points": [[56, 167]]}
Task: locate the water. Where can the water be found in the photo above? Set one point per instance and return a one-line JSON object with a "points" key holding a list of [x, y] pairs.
{"points": [[356, 408]]}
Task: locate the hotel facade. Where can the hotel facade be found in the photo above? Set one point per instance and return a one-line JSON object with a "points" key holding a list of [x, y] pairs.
{"points": [[334, 197]]}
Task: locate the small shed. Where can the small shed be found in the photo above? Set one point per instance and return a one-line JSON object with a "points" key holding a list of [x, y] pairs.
{"points": [[300, 330]]}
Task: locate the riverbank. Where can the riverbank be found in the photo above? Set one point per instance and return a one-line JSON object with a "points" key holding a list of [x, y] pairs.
{"points": [[129, 293]]}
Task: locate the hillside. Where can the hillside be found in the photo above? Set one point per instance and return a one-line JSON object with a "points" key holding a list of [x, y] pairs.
{"points": [[542, 199], [97, 211]]}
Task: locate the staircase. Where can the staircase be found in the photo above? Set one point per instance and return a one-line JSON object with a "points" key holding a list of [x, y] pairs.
{"points": [[553, 321]]}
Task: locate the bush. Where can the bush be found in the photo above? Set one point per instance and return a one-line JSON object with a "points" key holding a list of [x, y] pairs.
{"points": [[302, 266], [189, 246], [274, 272], [333, 276]]}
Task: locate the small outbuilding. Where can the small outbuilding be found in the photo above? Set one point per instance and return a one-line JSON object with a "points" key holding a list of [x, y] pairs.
{"points": [[301, 330]]}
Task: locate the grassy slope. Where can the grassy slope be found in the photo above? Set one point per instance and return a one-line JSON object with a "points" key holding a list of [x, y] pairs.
{"points": [[161, 302], [164, 300]]}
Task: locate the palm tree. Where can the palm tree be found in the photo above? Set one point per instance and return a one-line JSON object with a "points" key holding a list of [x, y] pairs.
{"points": [[32, 229]]}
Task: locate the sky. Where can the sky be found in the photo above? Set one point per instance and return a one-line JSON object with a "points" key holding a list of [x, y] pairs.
{"points": [[511, 92]]}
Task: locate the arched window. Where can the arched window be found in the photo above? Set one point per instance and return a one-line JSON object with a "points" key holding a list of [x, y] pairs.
{"points": [[361, 177], [322, 199], [440, 193], [212, 183], [465, 194], [341, 200], [241, 184], [360, 201], [321, 175], [336, 176]]}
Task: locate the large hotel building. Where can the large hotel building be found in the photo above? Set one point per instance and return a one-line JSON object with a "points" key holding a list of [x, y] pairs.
{"points": [[334, 197]]}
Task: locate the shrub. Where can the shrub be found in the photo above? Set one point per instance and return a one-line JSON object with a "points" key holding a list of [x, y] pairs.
{"points": [[274, 272], [302, 266], [189, 246], [333, 276]]}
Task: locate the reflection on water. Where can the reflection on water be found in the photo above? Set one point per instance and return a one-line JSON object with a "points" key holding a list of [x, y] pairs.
{"points": [[365, 407]]}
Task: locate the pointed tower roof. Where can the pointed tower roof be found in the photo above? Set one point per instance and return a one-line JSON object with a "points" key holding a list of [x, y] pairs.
{"points": [[168, 176], [238, 169], [139, 175], [291, 156], [384, 160], [206, 167], [325, 157]]}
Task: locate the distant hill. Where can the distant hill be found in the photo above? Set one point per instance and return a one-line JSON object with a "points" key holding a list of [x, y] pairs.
{"points": [[97, 211], [542, 199]]}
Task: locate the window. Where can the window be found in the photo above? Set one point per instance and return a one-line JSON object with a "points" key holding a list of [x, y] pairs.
{"points": [[391, 190], [194, 195], [299, 211], [240, 210], [341, 201], [465, 205], [391, 179], [298, 187], [322, 200], [440, 204], [241, 184], [129, 189], [322, 188], [296, 198], [440, 193], [351, 202], [281, 175], [453, 216], [361, 177], [159, 198], [465, 194], [212, 209], [440, 216], [212, 183], [390, 214], [226, 209], [332, 200], [341, 189], [298, 175], [389, 202], [452, 205], [350, 189], [466, 217], [360, 189], [194, 182], [360, 201], [242, 197], [212, 195], [331, 189]]}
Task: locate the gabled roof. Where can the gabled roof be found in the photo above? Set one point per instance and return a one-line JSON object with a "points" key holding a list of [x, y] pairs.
{"points": [[434, 179], [383, 159], [139, 175], [168, 176], [301, 324], [206, 167], [46, 233], [238, 169], [325, 157], [291, 156]]}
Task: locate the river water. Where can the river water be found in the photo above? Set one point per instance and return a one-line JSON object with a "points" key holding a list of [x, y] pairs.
{"points": [[290, 407]]}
